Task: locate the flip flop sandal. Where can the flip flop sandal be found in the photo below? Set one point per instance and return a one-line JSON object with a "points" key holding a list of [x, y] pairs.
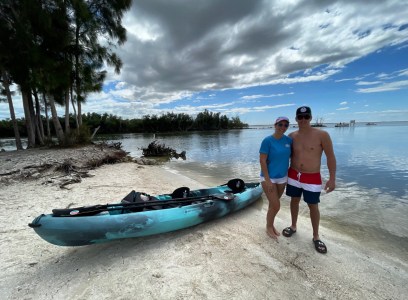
{"points": [[320, 246], [288, 232]]}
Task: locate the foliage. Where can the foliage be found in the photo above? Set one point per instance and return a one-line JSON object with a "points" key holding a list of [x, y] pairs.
{"points": [[81, 136], [155, 149], [57, 49], [110, 124]]}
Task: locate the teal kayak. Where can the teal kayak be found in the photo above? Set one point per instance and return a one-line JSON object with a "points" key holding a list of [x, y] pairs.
{"points": [[139, 214]]}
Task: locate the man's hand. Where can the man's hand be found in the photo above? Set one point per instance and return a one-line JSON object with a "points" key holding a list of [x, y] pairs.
{"points": [[330, 186]]}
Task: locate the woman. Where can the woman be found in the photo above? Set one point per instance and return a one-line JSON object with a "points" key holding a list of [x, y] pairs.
{"points": [[274, 157]]}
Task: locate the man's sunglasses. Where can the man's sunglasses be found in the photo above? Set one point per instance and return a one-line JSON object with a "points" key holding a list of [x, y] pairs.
{"points": [[301, 117], [283, 124]]}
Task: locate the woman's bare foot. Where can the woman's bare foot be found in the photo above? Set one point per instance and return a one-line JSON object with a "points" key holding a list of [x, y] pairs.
{"points": [[276, 232], [271, 234]]}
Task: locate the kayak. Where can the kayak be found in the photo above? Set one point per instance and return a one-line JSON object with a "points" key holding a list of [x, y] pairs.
{"points": [[139, 214]]}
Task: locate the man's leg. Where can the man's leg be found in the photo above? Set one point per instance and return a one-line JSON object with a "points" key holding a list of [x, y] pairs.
{"points": [[295, 193], [294, 211], [315, 218]]}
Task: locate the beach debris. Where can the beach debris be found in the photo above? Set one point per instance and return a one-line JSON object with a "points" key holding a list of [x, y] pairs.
{"points": [[145, 161], [156, 149], [59, 167]]}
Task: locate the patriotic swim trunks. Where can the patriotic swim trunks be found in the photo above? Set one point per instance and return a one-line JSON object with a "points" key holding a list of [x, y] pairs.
{"points": [[308, 184]]}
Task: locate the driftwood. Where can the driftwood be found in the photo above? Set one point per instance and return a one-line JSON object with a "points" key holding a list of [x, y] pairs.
{"points": [[10, 173], [155, 149], [95, 131]]}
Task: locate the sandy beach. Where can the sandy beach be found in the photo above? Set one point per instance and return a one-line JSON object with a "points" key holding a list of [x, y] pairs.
{"points": [[230, 258]]}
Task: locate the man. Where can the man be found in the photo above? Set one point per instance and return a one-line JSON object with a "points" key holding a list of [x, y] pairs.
{"points": [[304, 172]]}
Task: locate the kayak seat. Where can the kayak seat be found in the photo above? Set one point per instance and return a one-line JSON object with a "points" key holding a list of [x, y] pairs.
{"points": [[236, 185], [138, 197], [181, 192]]}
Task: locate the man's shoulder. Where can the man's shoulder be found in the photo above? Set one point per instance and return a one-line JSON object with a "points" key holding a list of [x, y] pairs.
{"points": [[319, 131], [293, 134]]}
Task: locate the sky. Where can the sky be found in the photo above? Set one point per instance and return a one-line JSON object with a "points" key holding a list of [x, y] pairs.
{"points": [[347, 60]]}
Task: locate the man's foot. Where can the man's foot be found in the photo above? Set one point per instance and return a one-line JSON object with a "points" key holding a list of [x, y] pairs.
{"points": [[320, 246], [276, 232], [288, 231]]}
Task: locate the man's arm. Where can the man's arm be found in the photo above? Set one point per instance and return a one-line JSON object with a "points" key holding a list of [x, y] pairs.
{"points": [[331, 162]]}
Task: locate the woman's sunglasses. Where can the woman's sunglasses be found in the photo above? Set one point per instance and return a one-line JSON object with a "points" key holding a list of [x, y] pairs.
{"points": [[283, 124], [301, 117]]}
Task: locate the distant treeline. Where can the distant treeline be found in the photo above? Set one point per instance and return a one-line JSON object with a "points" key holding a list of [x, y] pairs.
{"points": [[170, 122]]}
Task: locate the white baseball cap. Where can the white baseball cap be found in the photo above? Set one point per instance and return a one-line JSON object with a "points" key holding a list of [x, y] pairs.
{"points": [[281, 119]]}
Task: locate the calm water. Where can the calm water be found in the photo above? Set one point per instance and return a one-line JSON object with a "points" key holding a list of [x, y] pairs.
{"points": [[372, 157], [371, 198], [372, 163]]}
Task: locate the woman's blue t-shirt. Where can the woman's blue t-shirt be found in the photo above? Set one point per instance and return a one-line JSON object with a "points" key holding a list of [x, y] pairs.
{"points": [[278, 151]]}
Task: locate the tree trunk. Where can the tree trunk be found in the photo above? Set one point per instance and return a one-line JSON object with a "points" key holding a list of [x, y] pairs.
{"points": [[56, 122], [67, 128], [38, 119], [73, 107], [6, 85], [34, 123], [47, 119], [77, 79], [79, 113], [28, 121]]}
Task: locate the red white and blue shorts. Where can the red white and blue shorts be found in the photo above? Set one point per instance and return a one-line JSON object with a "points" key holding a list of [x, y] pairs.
{"points": [[308, 184]]}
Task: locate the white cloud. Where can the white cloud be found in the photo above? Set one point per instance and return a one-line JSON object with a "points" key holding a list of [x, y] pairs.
{"points": [[343, 108], [177, 48], [381, 112], [385, 87], [368, 82], [265, 96], [343, 103]]}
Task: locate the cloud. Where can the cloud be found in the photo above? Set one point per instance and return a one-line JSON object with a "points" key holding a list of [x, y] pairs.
{"points": [[384, 112], [343, 103], [265, 96], [386, 87], [185, 53], [343, 108], [178, 48], [368, 82]]}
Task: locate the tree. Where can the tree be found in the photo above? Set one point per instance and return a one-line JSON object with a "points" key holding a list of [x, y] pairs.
{"points": [[49, 46], [91, 20], [6, 84]]}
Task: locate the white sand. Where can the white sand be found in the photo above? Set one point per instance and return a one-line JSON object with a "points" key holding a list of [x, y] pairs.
{"points": [[230, 258]]}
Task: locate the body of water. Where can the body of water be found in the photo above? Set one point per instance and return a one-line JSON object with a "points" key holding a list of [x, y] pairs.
{"points": [[371, 197]]}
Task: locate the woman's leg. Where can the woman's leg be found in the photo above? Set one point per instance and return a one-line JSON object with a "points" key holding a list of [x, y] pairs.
{"points": [[272, 192]]}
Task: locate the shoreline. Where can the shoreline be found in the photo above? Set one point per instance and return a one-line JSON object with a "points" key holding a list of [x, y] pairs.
{"points": [[229, 257]]}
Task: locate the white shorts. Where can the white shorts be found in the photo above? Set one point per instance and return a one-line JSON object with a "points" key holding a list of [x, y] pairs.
{"points": [[276, 180]]}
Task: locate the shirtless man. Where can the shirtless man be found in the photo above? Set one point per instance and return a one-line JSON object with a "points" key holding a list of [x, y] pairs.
{"points": [[304, 172]]}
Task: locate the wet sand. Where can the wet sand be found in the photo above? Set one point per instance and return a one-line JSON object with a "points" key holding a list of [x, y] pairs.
{"points": [[229, 258]]}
